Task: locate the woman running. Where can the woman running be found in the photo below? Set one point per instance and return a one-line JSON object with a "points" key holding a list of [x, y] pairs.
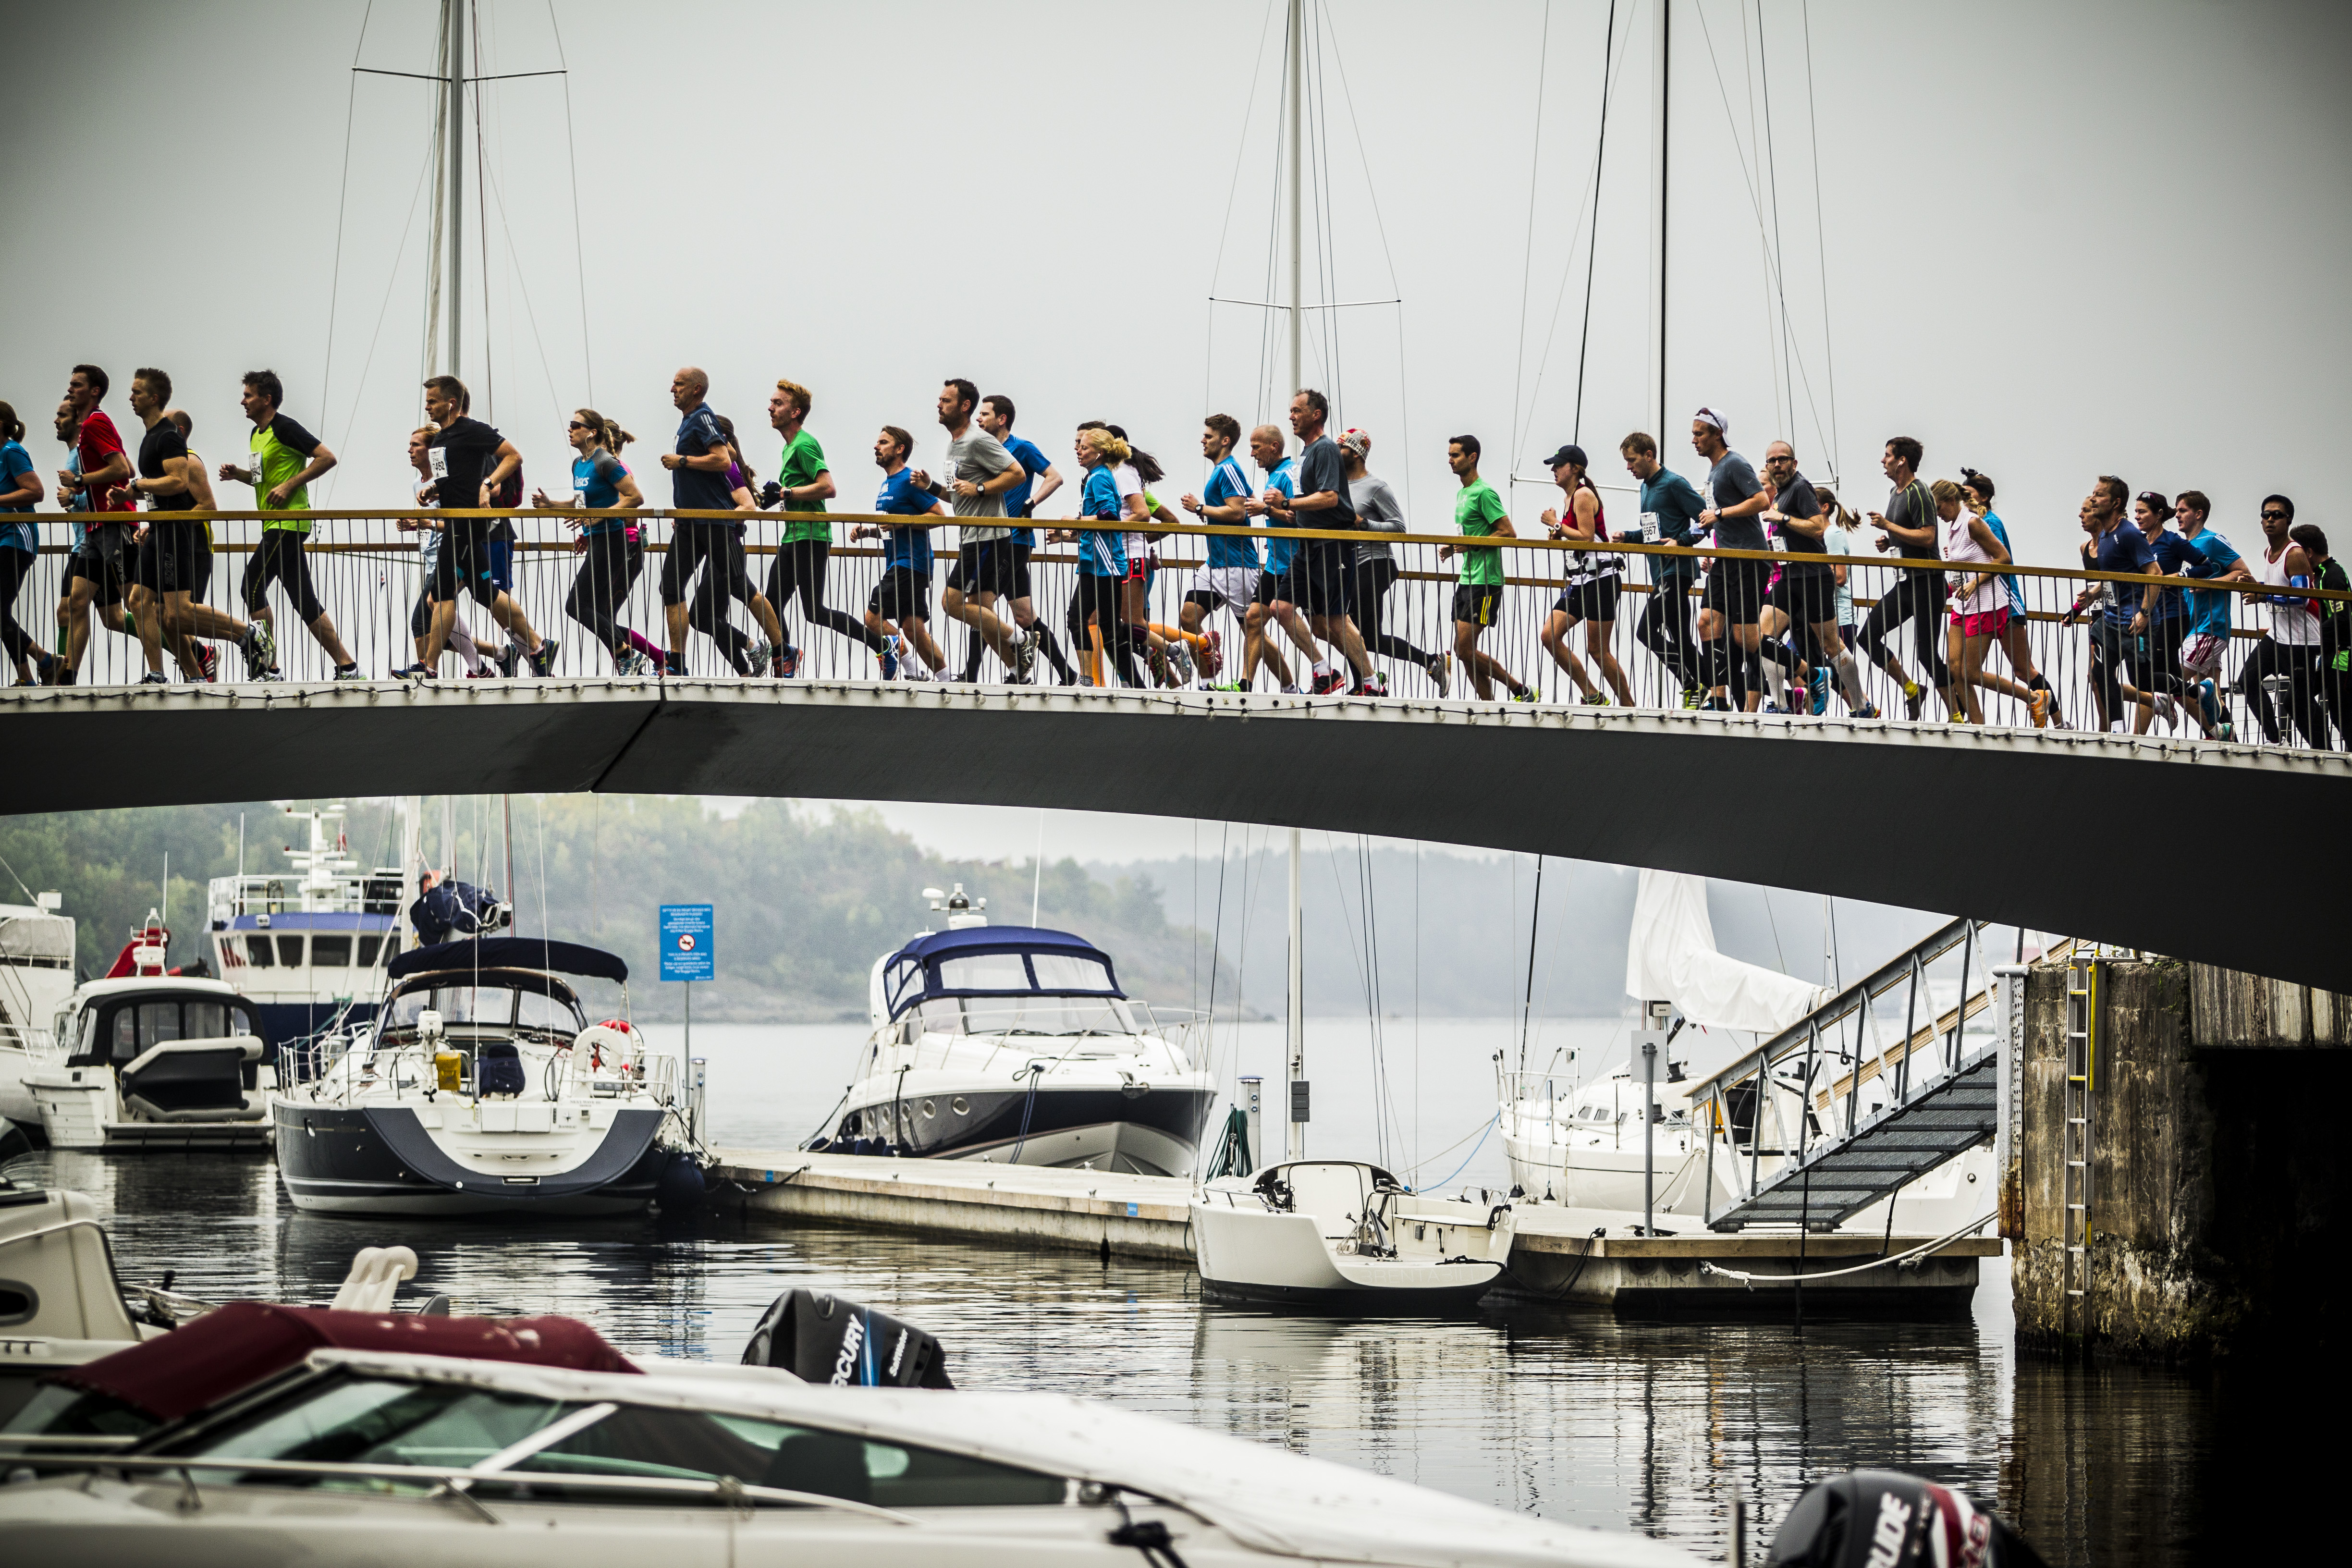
{"points": [[1098, 604], [612, 556], [1589, 593], [1980, 610], [20, 489], [1976, 494]]}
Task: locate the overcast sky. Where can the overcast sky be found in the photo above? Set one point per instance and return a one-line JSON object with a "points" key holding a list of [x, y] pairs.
{"points": [[2050, 241]]}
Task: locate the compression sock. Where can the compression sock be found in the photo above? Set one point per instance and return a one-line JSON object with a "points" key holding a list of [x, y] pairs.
{"points": [[971, 659], [1776, 681], [1849, 673], [1094, 656], [1052, 648]]}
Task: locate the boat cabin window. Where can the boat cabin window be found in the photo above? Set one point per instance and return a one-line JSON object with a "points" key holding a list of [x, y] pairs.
{"points": [[368, 945], [1025, 1016], [259, 952], [1069, 972], [330, 952], [985, 971], [506, 1001], [120, 1033], [356, 1419]]}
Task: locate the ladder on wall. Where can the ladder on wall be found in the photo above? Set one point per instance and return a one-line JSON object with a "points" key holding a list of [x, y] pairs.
{"points": [[2081, 1088]]}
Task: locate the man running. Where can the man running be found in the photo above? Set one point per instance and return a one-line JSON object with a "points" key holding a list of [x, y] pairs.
{"points": [[470, 462], [196, 619], [978, 475], [1670, 510], [1039, 479], [2112, 543], [1378, 512], [1266, 448], [1479, 513], [165, 568], [1589, 593], [284, 458], [1908, 526], [1804, 599], [900, 606], [97, 476], [1227, 577], [2290, 649], [2208, 611], [1733, 600], [698, 482], [1319, 580], [804, 556]]}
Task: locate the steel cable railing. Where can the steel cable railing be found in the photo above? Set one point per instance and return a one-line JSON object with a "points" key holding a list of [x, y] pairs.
{"points": [[2092, 667]]}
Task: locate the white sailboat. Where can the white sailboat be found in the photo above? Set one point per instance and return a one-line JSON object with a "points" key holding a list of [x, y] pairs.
{"points": [[37, 978]]}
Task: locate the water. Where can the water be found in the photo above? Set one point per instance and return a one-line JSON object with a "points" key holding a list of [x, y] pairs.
{"points": [[1565, 1414]]}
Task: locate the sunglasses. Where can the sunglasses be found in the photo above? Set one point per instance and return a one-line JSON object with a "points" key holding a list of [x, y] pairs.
{"points": [[575, 425], [2275, 517]]}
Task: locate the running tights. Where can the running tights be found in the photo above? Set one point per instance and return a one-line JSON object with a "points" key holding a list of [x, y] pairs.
{"points": [[1097, 600], [799, 569], [1373, 580], [1917, 597], [1664, 629], [610, 565], [15, 565], [2299, 662]]}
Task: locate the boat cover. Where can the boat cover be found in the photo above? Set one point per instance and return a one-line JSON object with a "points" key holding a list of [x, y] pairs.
{"points": [[237, 1345], [510, 952], [1671, 957], [1049, 963]]}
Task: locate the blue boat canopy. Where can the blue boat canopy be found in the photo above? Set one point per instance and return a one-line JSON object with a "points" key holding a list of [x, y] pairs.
{"points": [[996, 960], [472, 953]]}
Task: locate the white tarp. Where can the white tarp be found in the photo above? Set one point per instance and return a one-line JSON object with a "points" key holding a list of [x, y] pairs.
{"points": [[1672, 956], [35, 936]]}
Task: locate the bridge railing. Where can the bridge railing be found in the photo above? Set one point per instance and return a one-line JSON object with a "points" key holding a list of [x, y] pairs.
{"points": [[1546, 633]]}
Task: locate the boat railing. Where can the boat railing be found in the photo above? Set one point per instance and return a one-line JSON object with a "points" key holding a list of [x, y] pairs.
{"points": [[39, 1044]]}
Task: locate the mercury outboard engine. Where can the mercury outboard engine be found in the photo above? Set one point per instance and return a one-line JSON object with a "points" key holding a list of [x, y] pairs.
{"points": [[1884, 1519], [820, 1338]]}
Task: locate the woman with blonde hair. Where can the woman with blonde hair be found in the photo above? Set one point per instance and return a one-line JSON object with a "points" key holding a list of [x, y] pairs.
{"points": [[1097, 616]]}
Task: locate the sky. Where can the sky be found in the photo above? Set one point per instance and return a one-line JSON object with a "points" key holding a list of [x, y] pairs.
{"points": [[2051, 242]]}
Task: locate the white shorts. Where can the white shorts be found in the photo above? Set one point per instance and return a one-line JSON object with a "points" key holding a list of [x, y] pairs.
{"points": [[1235, 585], [2200, 656]]}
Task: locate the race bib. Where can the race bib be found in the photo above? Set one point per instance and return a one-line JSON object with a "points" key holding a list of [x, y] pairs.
{"points": [[1706, 494], [439, 459], [1649, 534]]}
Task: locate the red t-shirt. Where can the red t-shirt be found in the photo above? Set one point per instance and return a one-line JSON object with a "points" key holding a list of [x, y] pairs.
{"points": [[97, 445]]}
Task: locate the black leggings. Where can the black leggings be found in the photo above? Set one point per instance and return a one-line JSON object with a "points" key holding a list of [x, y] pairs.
{"points": [[692, 544], [2299, 662], [1917, 597], [1664, 629], [609, 567], [279, 559], [799, 569], [15, 565], [1373, 580], [1097, 598]]}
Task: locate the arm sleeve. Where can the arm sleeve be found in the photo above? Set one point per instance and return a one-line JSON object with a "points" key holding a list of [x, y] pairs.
{"points": [[291, 435]]}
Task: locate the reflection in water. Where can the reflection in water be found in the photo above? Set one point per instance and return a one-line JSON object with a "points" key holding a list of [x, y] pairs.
{"points": [[1569, 1414]]}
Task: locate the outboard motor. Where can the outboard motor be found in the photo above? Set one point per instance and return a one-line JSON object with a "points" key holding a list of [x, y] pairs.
{"points": [[820, 1338], [1884, 1519]]}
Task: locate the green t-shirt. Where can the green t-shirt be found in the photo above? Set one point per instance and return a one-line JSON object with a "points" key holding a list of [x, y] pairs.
{"points": [[804, 460], [276, 452], [1477, 510]]}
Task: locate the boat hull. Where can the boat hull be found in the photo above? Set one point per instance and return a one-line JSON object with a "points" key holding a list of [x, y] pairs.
{"points": [[381, 1160], [1152, 1134], [1284, 1260]]}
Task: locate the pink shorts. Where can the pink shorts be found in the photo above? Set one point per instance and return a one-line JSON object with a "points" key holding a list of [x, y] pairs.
{"points": [[2202, 656], [1983, 623]]}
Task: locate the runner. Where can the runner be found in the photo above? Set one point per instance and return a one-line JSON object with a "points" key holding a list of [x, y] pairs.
{"points": [[2290, 649], [1589, 593], [1909, 526], [1980, 605], [2211, 611], [429, 555], [803, 555], [1267, 446], [1670, 510], [2112, 544], [1376, 512], [1039, 480], [698, 482], [1097, 618], [471, 464], [900, 606], [1321, 569], [166, 570], [2161, 627], [1976, 494], [2334, 676], [1228, 574], [20, 491], [1734, 594], [611, 555], [1479, 513], [975, 480], [1804, 597], [200, 620], [712, 613], [284, 458], [100, 568]]}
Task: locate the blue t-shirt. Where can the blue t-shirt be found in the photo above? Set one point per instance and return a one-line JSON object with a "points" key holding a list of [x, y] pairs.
{"points": [[2173, 553], [1670, 495], [1999, 532], [697, 433], [2209, 610], [2123, 548], [14, 461], [1226, 486], [908, 547], [597, 478], [1102, 551], [1279, 551], [1016, 499]]}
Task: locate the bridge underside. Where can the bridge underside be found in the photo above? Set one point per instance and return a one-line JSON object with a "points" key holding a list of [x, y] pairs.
{"points": [[2056, 831]]}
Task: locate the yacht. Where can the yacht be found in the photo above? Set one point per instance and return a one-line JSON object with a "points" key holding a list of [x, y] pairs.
{"points": [[480, 1087], [1346, 1236], [308, 944], [147, 1058], [37, 978], [1015, 1044]]}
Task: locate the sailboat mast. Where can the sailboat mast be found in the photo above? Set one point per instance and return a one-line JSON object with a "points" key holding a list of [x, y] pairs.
{"points": [[1297, 205], [1661, 27], [1293, 1143], [453, 145]]}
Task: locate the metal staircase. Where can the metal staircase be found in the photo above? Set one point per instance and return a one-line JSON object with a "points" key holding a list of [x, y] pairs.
{"points": [[1787, 1130]]}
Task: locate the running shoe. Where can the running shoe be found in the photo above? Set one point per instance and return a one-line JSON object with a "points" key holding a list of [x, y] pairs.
{"points": [[1691, 697], [1771, 707], [1180, 656], [2168, 710], [2225, 731], [788, 662], [889, 655], [1714, 705], [1326, 682], [349, 672], [1523, 694], [511, 659], [1213, 655], [1915, 696], [1440, 672], [482, 672], [1293, 690], [1596, 699], [1818, 688], [154, 678], [543, 663], [1865, 711], [674, 666], [1373, 685], [207, 663], [273, 673], [1157, 660], [259, 646], [2038, 704], [759, 655], [28, 681], [1025, 655], [630, 662]]}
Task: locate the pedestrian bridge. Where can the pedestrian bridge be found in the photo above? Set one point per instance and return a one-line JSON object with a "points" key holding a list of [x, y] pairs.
{"points": [[2227, 853]]}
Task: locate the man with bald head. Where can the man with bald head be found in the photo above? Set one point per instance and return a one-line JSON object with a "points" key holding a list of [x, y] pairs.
{"points": [[697, 480]]}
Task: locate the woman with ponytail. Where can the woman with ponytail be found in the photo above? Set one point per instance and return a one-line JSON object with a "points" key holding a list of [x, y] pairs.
{"points": [[20, 488], [612, 556]]}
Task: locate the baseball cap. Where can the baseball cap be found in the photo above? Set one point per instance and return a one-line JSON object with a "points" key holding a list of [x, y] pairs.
{"points": [[1709, 416], [1571, 453]]}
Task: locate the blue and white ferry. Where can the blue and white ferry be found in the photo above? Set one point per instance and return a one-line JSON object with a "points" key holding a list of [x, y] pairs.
{"points": [[307, 946]]}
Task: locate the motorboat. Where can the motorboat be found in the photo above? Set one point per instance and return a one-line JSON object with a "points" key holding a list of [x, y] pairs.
{"points": [[307, 945], [36, 977], [149, 1058], [480, 1087], [1346, 1236], [1015, 1044]]}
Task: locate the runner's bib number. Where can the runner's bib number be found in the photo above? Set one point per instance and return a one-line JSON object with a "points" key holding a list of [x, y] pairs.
{"points": [[1649, 534]]}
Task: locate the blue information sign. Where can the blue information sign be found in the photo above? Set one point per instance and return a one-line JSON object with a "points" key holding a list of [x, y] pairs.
{"points": [[686, 941]]}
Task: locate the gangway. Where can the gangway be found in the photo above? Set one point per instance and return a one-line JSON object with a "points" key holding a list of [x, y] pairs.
{"points": [[1785, 1123]]}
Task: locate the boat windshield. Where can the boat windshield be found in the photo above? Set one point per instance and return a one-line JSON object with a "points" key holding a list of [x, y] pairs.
{"points": [[1027, 1016], [499, 1001], [350, 1418]]}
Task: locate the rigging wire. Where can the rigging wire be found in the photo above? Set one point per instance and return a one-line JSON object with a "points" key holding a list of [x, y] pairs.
{"points": [[514, 276], [1593, 250], [1380, 226], [391, 283], [1764, 245], [1772, 161], [482, 231], [579, 244], [1535, 921], [1527, 255], [1821, 239], [343, 200]]}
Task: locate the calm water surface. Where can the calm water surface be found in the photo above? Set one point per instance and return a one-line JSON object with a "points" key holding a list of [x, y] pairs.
{"points": [[1568, 1415]]}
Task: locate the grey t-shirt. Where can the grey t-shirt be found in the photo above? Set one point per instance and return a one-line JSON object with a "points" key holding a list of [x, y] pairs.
{"points": [[1376, 510], [1320, 469], [976, 456], [1729, 482]]}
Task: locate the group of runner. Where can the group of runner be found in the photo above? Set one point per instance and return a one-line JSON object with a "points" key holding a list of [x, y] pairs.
{"points": [[1775, 635]]}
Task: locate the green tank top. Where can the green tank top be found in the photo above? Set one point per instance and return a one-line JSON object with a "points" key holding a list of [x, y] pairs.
{"points": [[277, 451]]}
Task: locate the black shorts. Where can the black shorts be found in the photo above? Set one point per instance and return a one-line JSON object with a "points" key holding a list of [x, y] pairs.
{"points": [[984, 568], [693, 542], [103, 559], [904, 594], [1268, 586], [1017, 571], [463, 563], [1319, 580], [203, 548], [167, 556], [1477, 604], [1735, 590], [282, 558], [1808, 598], [1594, 601]]}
